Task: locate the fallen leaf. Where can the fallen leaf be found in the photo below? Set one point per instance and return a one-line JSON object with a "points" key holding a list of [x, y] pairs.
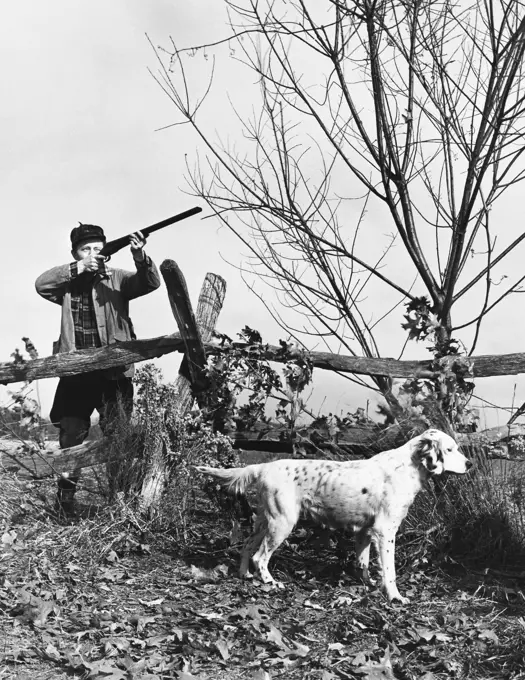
{"points": [[260, 674], [223, 648], [52, 653], [300, 649], [111, 556], [9, 537], [209, 616], [152, 603], [341, 601], [184, 675], [488, 634], [313, 605], [275, 635], [142, 621], [103, 669], [377, 670]]}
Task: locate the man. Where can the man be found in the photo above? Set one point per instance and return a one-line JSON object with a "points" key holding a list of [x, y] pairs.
{"points": [[95, 313]]}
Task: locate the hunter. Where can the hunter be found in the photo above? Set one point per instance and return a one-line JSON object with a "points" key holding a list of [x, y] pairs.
{"points": [[95, 313]]}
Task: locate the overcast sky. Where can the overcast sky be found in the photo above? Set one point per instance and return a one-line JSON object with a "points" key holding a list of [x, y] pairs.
{"points": [[79, 136]]}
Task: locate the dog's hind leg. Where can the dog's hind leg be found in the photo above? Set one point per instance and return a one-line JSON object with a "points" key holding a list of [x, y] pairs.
{"points": [[363, 539], [277, 533], [282, 514], [251, 545]]}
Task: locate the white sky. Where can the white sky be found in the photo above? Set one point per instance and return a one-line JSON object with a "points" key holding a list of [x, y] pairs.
{"points": [[77, 132]]}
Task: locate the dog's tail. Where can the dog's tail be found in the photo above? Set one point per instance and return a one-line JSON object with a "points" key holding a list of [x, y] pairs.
{"points": [[236, 480]]}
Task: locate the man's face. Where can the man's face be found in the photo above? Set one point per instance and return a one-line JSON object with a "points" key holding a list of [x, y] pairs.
{"points": [[86, 248]]}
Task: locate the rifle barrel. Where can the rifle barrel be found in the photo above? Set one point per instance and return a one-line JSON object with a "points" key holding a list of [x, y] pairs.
{"points": [[170, 220], [117, 244]]}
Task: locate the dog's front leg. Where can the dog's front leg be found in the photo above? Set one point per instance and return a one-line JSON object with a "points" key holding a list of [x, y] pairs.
{"points": [[386, 545]]}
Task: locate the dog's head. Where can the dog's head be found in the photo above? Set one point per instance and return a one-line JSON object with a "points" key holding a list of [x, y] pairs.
{"points": [[439, 453]]}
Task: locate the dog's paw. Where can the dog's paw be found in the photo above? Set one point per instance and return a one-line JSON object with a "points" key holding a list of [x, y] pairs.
{"points": [[397, 597], [273, 583]]}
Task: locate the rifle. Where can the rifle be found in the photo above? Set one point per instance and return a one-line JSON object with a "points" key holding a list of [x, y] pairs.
{"points": [[117, 244]]}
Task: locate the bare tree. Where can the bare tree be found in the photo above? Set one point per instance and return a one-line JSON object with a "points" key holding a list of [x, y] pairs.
{"points": [[407, 113]]}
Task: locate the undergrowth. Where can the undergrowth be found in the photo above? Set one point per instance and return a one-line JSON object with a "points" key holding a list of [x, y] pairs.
{"points": [[478, 518]]}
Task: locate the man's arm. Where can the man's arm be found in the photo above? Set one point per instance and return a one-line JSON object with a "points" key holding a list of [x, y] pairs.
{"points": [[146, 279], [53, 283]]}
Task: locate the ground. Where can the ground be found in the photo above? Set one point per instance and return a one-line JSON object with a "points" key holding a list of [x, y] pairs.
{"points": [[101, 598]]}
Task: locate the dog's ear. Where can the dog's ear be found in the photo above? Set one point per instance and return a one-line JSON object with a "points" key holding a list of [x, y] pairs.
{"points": [[430, 453]]}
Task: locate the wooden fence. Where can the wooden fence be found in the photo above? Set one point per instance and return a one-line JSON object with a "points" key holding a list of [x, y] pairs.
{"points": [[195, 339]]}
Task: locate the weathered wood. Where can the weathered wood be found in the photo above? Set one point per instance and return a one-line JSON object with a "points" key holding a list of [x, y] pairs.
{"points": [[374, 438], [194, 355], [191, 381], [39, 465], [493, 435], [140, 350], [209, 305], [362, 441], [72, 363], [211, 300]]}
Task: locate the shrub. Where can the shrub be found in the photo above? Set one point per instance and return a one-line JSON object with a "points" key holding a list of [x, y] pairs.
{"points": [[158, 448], [477, 518]]}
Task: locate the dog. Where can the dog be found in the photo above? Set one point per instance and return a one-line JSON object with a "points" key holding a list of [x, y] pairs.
{"points": [[372, 497]]}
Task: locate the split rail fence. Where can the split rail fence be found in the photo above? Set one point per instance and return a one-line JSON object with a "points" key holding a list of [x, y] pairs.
{"points": [[195, 339]]}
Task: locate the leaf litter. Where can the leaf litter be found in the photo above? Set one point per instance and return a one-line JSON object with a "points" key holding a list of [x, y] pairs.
{"points": [[172, 612]]}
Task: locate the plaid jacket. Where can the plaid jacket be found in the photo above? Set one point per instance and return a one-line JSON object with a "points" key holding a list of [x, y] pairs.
{"points": [[82, 309], [111, 294]]}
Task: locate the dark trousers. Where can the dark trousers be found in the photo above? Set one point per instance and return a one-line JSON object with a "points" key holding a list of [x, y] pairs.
{"points": [[76, 398]]}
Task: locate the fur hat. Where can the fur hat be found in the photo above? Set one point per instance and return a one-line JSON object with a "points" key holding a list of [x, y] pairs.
{"points": [[84, 232]]}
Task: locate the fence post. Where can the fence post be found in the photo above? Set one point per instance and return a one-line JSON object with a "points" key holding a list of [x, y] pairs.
{"points": [[194, 332], [191, 381]]}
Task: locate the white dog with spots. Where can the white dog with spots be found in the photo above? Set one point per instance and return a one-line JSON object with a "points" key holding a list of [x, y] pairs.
{"points": [[372, 497]]}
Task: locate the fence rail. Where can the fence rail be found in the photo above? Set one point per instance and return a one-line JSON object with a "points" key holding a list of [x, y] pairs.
{"points": [[134, 351], [194, 340]]}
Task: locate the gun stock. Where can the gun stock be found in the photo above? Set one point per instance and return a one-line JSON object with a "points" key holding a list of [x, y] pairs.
{"points": [[117, 244]]}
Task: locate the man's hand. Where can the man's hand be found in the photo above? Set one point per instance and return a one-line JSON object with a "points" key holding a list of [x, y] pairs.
{"points": [[91, 263], [137, 243]]}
